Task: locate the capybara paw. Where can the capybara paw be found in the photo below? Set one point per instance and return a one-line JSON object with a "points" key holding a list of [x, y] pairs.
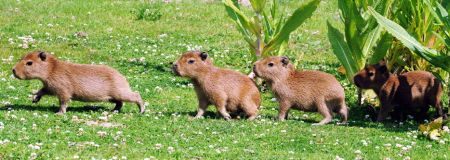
{"points": [[227, 118], [60, 113], [36, 99], [342, 123]]}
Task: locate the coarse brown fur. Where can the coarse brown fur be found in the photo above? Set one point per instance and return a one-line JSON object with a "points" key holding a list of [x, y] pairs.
{"points": [[228, 90], [81, 82], [311, 91], [404, 93]]}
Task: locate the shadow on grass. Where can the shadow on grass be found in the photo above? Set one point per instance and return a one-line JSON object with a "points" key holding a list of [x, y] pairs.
{"points": [[52, 109]]}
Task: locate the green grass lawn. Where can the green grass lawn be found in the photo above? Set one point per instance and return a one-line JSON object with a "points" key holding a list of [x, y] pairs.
{"points": [[142, 50]]}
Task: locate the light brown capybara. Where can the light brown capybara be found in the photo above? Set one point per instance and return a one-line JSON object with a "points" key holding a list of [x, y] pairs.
{"points": [[408, 93], [81, 82], [228, 90], [311, 91]]}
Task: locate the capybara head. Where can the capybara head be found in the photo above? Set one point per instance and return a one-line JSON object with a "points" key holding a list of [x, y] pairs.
{"points": [[191, 63], [34, 65], [272, 67], [372, 76]]}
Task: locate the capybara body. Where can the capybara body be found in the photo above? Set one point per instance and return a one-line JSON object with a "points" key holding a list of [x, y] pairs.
{"points": [[311, 91], [408, 93], [228, 90], [81, 82]]}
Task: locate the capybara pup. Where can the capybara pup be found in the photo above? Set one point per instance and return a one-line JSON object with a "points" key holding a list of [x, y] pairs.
{"points": [[81, 82], [311, 91], [228, 90], [405, 93]]}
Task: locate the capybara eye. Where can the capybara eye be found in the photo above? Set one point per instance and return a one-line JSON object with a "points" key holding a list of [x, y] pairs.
{"points": [[270, 64], [29, 63], [370, 74], [191, 61]]}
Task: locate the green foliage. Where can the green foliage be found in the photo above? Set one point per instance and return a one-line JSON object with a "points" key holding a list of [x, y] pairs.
{"points": [[148, 12], [433, 130], [361, 37], [267, 33]]}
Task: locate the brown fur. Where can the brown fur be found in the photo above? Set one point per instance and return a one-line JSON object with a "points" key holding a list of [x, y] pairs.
{"points": [[228, 90], [91, 83], [406, 92], [311, 91]]}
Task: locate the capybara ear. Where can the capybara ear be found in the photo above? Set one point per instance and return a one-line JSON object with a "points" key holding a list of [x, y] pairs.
{"points": [[203, 55], [285, 60], [383, 69], [42, 55]]}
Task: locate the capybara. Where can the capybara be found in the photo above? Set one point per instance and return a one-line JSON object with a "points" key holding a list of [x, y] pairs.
{"points": [[229, 91], [81, 82], [311, 91], [408, 93]]}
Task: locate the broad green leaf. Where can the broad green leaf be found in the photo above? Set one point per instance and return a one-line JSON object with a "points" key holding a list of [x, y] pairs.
{"points": [[371, 40], [436, 124], [408, 41], [235, 13], [293, 22], [381, 49], [342, 51]]}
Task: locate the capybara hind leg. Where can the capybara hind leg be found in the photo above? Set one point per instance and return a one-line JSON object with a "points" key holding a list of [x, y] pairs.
{"points": [[221, 108], [343, 112], [323, 109], [135, 98], [251, 110], [118, 106]]}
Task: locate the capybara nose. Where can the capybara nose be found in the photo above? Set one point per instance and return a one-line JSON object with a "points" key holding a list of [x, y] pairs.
{"points": [[14, 71]]}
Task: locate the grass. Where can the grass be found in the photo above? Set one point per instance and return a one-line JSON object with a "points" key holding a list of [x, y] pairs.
{"points": [[142, 50]]}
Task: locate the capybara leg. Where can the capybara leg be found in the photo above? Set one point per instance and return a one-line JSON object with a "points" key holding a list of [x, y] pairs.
{"points": [[221, 108], [283, 111], [326, 113], [118, 106], [384, 111], [38, 95], [438, 106], [135, 98], [343, 112], [63, 105], [251, 110], [202, 107]]}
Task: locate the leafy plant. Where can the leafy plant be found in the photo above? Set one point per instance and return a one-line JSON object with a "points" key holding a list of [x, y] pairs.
{"points": [[148, 12], [434, 129], [267, 32]]}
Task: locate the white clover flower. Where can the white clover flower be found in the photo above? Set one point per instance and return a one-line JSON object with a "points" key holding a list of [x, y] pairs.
{"points": [[158, 146], [170, 149], [2, 126]]}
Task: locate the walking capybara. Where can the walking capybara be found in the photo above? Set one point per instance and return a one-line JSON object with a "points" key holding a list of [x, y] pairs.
{"points": [[311, 91], [228, 90], [404, 93], [81, 82]]}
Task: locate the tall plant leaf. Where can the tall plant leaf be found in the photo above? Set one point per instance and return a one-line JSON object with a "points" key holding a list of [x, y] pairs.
{"points": [[342, 51], [293, 22], [408, 41]]}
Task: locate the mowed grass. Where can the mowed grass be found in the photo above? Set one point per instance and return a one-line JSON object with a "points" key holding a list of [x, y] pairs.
{"points": [[143, 50]]}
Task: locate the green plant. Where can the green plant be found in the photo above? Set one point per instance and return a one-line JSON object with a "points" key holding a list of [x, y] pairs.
{"points": [[433, 130], [149, 12], [267, 32]]}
